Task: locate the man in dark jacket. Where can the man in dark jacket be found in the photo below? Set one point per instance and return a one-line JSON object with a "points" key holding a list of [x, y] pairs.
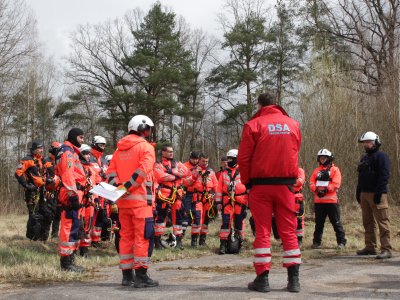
{"points": [[268, 161], [373, 177]]}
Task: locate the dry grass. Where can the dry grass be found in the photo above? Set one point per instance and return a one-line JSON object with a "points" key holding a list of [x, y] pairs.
{"points": [[25, 262]]}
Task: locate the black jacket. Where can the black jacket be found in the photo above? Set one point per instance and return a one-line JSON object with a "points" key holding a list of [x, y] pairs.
{"points": [[373, 173]]}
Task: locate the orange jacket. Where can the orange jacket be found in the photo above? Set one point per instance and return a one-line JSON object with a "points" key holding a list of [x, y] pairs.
{"points": [[132, 165], [193, 171], [335, 180], [238, 188], [70, 169], [170, 174], [30, 170], [204, 183]]}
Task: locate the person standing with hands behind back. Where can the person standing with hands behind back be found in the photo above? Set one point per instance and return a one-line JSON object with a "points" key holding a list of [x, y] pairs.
{"points": [[373, 176], [268, 160]]}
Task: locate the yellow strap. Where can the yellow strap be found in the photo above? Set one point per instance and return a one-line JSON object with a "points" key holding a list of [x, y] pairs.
{"points": [[170, 200]]}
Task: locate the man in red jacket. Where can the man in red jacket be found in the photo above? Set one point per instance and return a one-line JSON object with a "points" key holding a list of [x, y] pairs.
{"points": [[268, 160], [131, 170]]}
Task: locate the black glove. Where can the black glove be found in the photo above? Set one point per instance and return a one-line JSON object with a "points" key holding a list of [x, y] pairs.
{"points": [[322, 193], [377, 198], [358, 194], [31, 187], [205, 174], [74, 202], [323, 175]]}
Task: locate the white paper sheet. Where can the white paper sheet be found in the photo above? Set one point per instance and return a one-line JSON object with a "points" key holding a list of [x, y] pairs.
{"points": [[107, 191], [322, 183]]}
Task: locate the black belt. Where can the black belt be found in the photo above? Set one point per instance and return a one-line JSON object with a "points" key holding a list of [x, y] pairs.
{"points": [[273, 181]]}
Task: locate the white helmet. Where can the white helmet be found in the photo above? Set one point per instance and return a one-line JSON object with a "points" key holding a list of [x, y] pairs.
{"points": [[85, 147], [139, 123], [232, 153], [170, 242], [98, 139], [370, 136], [108, 157], [324, 152]]}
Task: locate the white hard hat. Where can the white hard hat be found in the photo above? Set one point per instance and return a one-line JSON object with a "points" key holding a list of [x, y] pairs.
{"points": [[370, 136], [98, 139], [170, 242], [108, 157], [85, 147], [232, 153], [139, 123], [324, 152]]}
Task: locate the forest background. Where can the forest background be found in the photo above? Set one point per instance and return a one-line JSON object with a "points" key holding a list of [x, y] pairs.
{"points": [[334, 66]]}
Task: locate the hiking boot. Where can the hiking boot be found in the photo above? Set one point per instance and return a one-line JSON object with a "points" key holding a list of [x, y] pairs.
{"points": [[293, 285], [84, 252], [366, 251], [193, 243], [157, 242], [316, 246], [222, 247], [128, 278], [202, 241], [143, 280], [179, 244], [384, 254], [260, 284], [341, 246], [67, 265], [96, 244]]}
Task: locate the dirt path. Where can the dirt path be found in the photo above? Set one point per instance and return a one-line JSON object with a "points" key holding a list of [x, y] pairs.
{"points": [[226, 277]]}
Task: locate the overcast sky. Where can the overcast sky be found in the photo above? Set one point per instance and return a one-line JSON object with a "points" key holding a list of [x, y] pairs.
{"points": [[57, 18]]}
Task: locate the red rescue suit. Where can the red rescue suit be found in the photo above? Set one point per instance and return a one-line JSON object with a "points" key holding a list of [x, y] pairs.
{"points": [[268, 159], [132, 166], [204, 186], [231, 194], [101, 213], [73, 177], [87, 212], [299, 204], [170, 175]]}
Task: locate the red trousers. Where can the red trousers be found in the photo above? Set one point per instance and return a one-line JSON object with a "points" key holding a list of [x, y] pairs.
{"points": [[278, 199], [137, 235], [87, 224], [70, 226]]}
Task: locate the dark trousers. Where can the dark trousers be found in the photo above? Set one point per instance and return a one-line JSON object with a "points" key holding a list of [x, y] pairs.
{"points": [[331, 210]]}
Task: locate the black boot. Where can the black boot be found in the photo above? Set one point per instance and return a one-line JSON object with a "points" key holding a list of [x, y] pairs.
{"points": [[293, 279], [222, 246], [67, 265], [260, 284], [193, 243], [143, 280], [128, 277], [157, 242], [179, 244], [84, 252], [202, 241]]}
